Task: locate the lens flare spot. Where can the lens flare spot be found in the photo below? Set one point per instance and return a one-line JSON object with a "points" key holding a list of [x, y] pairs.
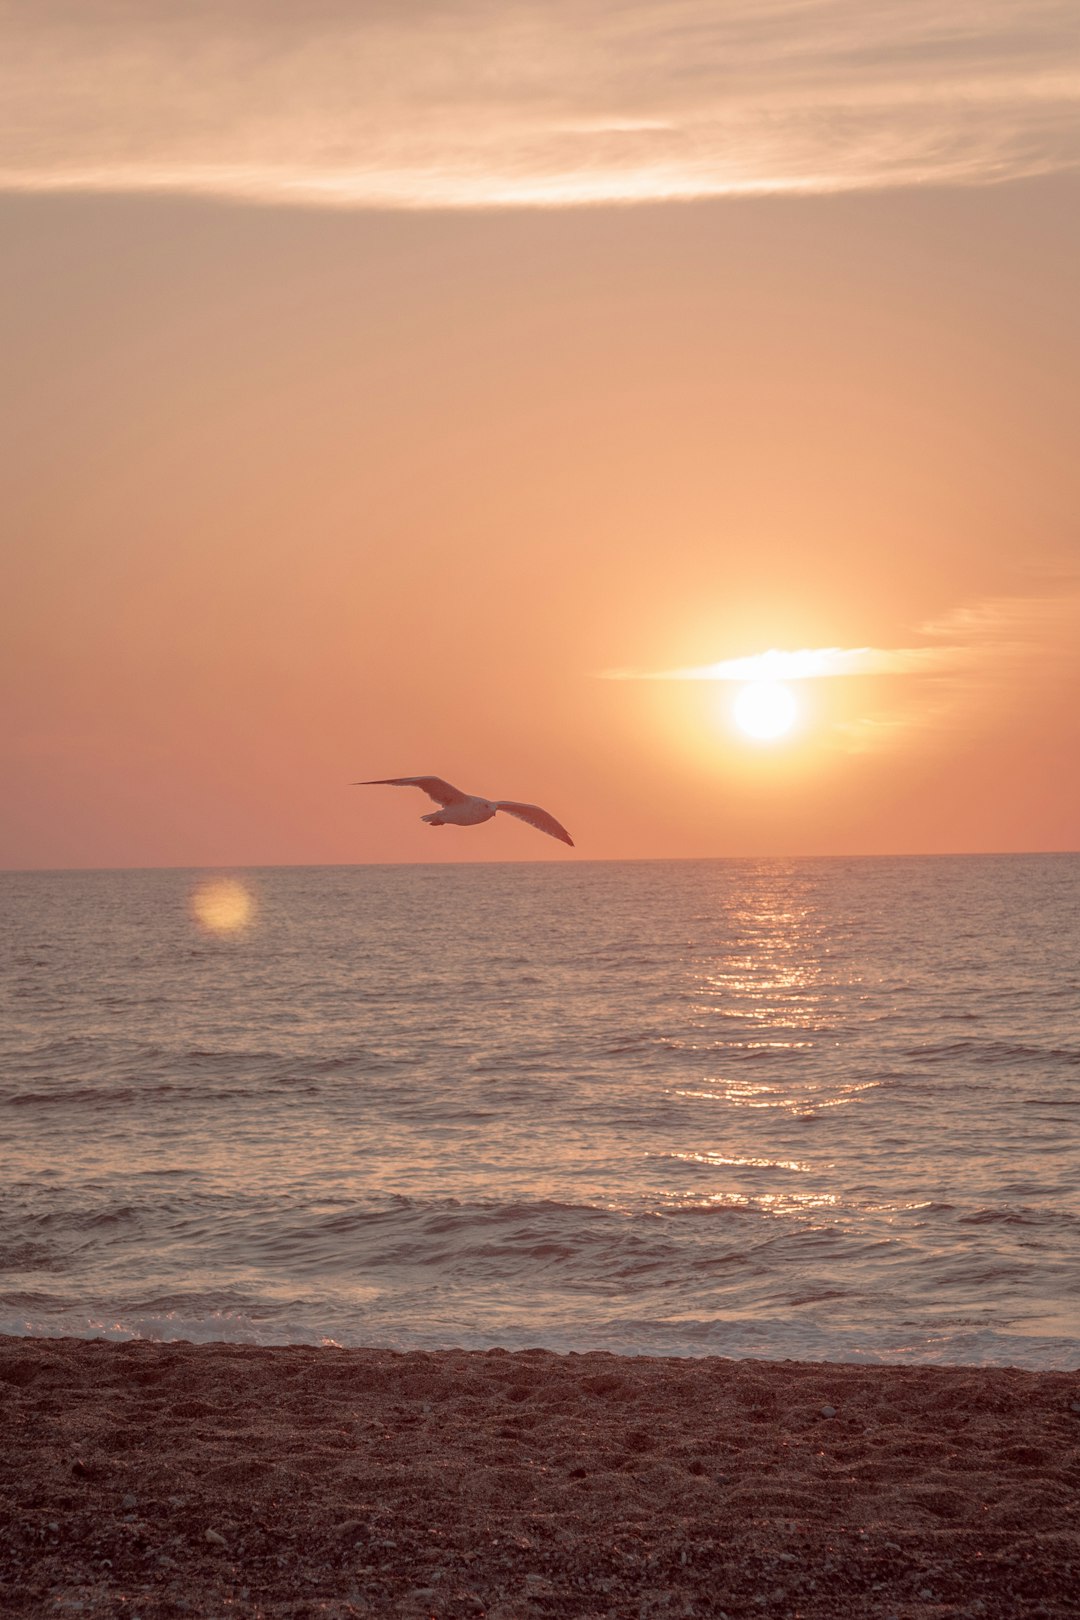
{"points": [[222, 906], [765, 710]]}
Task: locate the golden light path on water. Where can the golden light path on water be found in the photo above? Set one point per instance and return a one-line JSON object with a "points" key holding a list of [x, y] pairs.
{"points": [[688, 1157], [222, 906], [773, 974], [747, 1094]]}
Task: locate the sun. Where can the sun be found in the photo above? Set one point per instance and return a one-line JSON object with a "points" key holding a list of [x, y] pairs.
{"points": [[765, 710]]}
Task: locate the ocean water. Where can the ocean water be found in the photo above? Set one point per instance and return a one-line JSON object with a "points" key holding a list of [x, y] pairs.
{"points": [[818, 1109]]}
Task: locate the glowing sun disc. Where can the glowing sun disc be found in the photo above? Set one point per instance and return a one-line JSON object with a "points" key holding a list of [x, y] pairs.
{"points": [[765, 710]]}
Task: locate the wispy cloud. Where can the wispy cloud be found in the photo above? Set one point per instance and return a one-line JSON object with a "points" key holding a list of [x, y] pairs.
{"points": [[464, 103], [810, 663], [981, 661], [1014, 624]]}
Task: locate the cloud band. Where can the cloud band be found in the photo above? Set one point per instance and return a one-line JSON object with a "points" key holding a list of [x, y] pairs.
{"points": [[474, 103], [811, 663]]}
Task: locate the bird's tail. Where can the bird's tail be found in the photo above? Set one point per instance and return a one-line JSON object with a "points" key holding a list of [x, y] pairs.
{"points": [[434, 820]]}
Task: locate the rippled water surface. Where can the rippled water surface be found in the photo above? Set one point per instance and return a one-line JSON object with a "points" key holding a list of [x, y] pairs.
{"points": [[780, 1108]]}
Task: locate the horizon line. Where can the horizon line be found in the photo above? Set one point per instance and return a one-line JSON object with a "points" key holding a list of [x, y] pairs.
{"points": [[592, 860]]}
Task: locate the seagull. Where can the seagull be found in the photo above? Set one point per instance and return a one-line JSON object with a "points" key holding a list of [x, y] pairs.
{"points": [[459, 809]]}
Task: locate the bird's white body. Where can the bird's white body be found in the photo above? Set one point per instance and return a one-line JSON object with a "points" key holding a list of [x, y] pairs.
{"points": [[470, 812], [457, 809]]}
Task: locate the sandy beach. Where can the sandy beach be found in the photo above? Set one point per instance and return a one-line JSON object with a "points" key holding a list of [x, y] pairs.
{"points": [[170, 1479]]}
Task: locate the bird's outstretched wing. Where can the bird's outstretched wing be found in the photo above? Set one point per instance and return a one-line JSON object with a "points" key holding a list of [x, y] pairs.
{"points": [[433, 786], [542, 820]]}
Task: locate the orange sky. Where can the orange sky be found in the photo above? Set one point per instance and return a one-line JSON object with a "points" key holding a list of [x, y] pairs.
{"points": [[298, 494]]}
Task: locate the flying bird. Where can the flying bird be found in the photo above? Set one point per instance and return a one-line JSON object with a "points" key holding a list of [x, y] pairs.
{"points": [[457, 809]]}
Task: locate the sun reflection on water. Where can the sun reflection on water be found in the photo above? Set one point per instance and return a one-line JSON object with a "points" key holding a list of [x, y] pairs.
{"points": [[773, 954], [766, 973], [765, 1094], [750, 1163], [785, 1203]]}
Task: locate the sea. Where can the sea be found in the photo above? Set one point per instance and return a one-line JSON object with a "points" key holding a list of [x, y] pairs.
{"points": [[812, 1109]]}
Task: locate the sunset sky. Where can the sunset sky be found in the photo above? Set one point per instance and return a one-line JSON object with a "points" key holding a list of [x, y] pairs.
{"points": [[483, 389]]}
